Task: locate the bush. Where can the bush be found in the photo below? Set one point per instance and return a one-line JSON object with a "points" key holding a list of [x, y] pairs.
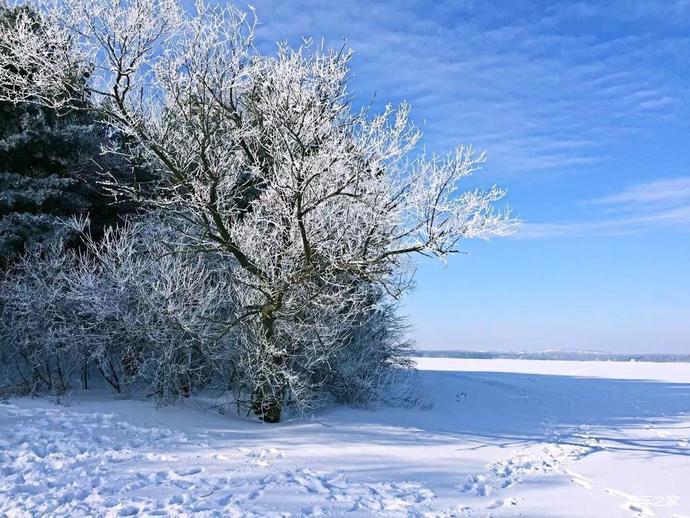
{"points": [[123, 306], [37, 320], [129, 309]]}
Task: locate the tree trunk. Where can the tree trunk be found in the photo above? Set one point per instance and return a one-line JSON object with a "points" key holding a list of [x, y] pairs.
{"points": [[267, 399], [85, 375], [266, 405]]}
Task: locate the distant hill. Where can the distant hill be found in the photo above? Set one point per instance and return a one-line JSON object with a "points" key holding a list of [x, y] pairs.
{"points": [[556, 354]]}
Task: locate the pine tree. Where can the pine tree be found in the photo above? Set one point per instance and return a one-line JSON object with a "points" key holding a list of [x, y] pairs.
{"points": [[51, 167]]}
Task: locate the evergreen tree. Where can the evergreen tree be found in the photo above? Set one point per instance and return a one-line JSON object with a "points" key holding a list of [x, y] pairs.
{"points": [[51, 166]]}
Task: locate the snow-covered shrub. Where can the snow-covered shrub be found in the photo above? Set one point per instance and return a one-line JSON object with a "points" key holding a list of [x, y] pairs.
{"points": [[375, 352], [37, 320], [123, 305], [152, 315]]}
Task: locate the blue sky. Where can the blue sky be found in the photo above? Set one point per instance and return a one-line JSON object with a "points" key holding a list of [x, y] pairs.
{"points": [[584, 110]]}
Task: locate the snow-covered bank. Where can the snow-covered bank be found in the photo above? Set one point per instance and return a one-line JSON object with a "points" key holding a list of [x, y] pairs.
{"points": [[504, 438]]}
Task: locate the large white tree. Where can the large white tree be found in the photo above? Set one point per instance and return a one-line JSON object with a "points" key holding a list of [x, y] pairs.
{"points": [[316, 205]]}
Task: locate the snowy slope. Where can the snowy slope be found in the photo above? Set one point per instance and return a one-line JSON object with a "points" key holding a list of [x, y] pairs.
{"points": [[504, 438]]}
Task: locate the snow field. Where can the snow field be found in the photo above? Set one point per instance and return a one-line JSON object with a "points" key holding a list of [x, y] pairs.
{"points": [[503, 439]]}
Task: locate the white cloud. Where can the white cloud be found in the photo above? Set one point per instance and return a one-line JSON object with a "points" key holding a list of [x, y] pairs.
{"points": [[663, 203]]}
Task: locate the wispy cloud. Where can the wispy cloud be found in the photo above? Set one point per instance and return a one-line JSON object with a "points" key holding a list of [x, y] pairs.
{"points": [[638, 208], [541, 89], [665, 192]]}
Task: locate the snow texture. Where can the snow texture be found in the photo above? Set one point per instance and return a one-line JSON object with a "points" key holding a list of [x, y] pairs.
{"points": [[504, 438]]}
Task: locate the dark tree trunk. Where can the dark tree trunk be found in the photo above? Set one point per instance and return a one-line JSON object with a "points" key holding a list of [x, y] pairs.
{"points": [[267, 400], [266, 405], [85, 375]]}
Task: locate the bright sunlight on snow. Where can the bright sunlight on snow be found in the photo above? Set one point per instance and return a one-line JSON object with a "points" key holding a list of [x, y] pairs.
{"points": [[503, 438]]}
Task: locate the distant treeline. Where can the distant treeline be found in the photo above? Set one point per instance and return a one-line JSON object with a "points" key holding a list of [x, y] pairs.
{"points": [[558, 355]]}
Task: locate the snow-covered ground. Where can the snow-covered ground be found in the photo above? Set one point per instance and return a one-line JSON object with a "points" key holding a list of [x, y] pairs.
{"points": [[504, 438]]}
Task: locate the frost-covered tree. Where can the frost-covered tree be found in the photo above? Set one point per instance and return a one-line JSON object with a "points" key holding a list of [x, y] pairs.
{"points": [[315, 205]]}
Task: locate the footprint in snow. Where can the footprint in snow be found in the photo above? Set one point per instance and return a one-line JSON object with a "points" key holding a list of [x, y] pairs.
{"points": [[128, 510], [638, 510], [176, 500], [501, 502], [255, 494], [631, 505], [579, 479], [188, 472], [262, 457], [478, 485]]}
